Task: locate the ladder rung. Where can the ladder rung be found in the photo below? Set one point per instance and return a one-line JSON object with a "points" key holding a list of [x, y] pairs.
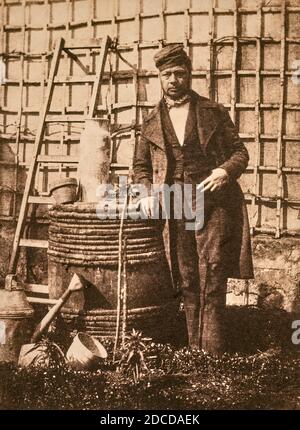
{"points": [[41, 200], [82, 43], [64, 118], [34, 243], [37, 288], [41, 301], [75, 79], [57, 159], [119, 166]]}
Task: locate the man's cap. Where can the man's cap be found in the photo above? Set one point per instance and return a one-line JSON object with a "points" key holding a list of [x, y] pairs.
{"points": [[170, 56]]}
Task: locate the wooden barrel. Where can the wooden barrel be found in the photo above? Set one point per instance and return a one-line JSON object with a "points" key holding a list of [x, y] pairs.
{"points": [[81, 242]]}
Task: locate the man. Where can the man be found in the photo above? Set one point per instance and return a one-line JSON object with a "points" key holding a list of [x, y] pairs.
{"points": [[189, 139]]}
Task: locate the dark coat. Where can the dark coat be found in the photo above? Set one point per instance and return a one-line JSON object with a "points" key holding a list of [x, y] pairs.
{"points": [[225, 236]]}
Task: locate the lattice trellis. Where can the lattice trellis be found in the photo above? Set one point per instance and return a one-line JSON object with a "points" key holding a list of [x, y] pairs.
{"points": [[243, 52]]}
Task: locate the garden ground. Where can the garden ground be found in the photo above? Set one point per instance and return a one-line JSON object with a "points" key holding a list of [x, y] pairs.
{"points": [[260, 371]]}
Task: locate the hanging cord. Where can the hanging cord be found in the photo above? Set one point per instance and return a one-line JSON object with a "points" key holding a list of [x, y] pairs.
{"points": [[120, 267], [122, 249], [114, 48], [124, 295]]}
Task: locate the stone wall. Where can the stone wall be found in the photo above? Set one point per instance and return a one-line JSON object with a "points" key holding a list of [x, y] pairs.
{"points": [[277, 276]]}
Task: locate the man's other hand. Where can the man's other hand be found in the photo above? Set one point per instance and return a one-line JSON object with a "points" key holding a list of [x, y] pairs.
{"points": [[215, 181], [147, 205]]}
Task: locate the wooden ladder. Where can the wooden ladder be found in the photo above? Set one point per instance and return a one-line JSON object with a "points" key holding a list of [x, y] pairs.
{"points": [[28, 197]]}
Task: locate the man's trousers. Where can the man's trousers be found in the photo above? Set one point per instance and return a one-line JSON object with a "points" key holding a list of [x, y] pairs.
{"points": [[203, 286]]}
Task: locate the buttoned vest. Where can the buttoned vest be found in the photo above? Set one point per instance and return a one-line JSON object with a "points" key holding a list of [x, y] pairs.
{"points": [[187, 162]]}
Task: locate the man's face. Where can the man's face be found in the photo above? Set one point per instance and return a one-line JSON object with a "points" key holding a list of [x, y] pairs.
{"points": [[175, 81]]}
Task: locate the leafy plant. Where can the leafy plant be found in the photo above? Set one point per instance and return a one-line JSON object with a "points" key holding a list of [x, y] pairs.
{"points": [[132, 361]]}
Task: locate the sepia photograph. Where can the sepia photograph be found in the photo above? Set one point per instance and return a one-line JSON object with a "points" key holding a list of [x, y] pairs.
{"points": [[149, 207]]}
